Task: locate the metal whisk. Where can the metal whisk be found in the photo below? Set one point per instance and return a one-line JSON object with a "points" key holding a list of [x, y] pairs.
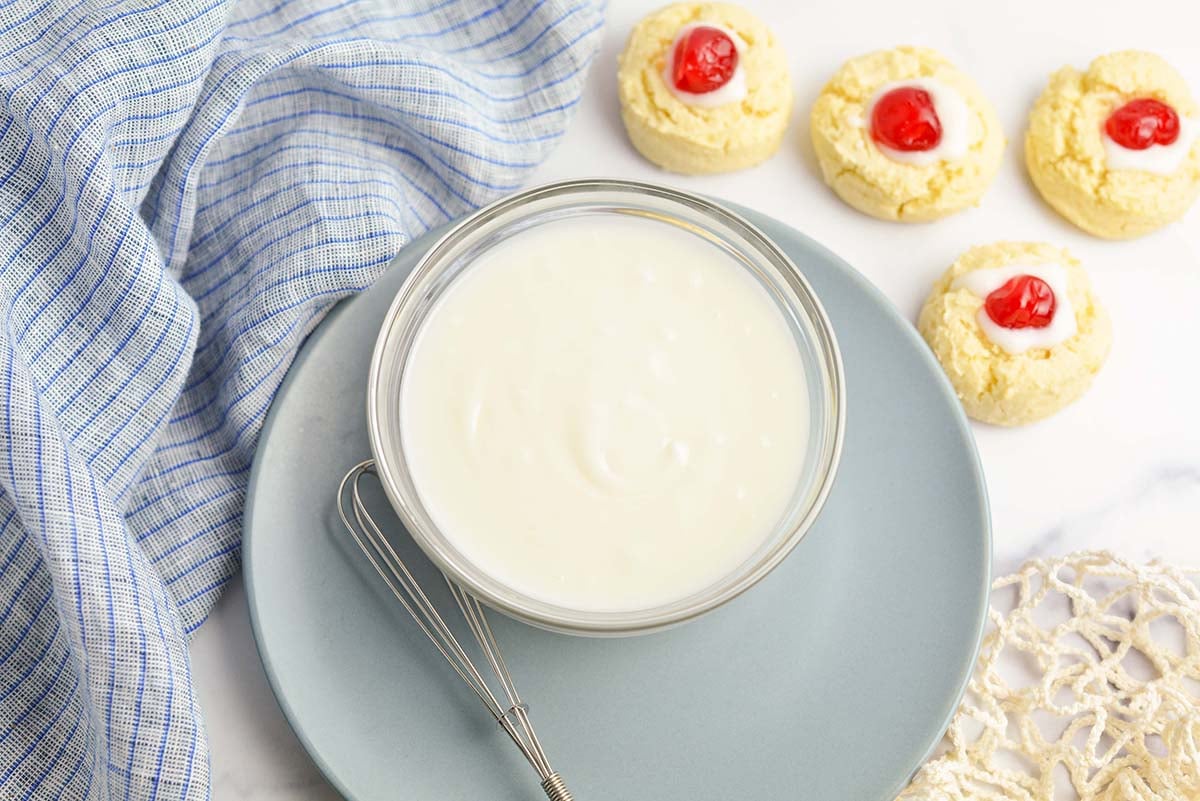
{"points": [[513, 717]]}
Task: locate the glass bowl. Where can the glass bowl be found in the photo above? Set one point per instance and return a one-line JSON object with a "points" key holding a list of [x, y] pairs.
{"points": [[782, 280]]}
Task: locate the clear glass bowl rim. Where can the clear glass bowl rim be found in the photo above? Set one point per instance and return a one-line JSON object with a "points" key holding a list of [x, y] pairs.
{"points": [[409, 308]]}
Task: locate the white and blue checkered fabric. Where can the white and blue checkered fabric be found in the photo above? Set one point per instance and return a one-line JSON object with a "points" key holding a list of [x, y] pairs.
{"points": [[186, 186]]}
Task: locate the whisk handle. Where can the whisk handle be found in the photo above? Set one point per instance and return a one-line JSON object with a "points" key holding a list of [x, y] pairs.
{"points": [[556, 788]]}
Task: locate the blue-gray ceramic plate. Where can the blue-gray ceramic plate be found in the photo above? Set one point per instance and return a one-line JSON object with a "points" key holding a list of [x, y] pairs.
{"points": [[830, 681]]}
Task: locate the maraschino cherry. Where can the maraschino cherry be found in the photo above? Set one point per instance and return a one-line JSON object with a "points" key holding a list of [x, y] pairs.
{"points": [[1024, 301], [705, 59], [905, 119], [1143, 122]]}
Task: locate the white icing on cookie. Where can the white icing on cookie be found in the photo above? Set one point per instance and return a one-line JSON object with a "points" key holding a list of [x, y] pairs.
{"points": [[734, 89], [982, 283], [952, 113], [1158, 159]]}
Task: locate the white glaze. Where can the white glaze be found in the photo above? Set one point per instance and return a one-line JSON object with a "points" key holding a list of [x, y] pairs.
{"points": [[982, 283], [952, 112], [605, 413], [733, 91], [1158, 159]]}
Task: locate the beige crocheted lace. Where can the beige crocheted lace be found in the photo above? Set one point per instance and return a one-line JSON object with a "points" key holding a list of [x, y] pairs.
{"points": [[1087, 687]]}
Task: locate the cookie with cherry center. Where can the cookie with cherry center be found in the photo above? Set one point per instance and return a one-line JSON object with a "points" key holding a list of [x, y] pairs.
{"points": [[1115, 148], [1017, 329], [704, 88], [903, 135]]}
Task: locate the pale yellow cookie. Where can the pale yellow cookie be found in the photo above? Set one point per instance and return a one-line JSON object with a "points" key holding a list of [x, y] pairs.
{"points": [[998, 386], [864, 175], [1067, 158], [694, 139]]}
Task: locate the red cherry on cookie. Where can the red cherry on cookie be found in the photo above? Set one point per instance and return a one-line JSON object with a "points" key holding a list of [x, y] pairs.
{"points": [[1143, 122], [704, 60], [905, 119], [1025, 301]]}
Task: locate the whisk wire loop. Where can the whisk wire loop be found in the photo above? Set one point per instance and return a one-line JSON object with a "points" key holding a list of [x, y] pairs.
{"points": [[511, 713]]}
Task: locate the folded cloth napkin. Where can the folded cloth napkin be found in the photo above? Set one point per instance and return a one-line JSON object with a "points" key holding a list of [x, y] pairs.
{"points": [[186, 186]]}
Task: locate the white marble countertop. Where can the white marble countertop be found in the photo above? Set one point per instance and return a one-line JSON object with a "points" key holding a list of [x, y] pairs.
{"points": [[1119, 470]]}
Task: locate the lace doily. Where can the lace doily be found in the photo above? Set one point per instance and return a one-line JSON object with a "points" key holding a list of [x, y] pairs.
{"points": [[1087, 687]]}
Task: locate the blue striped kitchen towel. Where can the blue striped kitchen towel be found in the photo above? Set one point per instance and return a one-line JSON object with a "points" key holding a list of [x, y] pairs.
{"points": [[186, 186]]}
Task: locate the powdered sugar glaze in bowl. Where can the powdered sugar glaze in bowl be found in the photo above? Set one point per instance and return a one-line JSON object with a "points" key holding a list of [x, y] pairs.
{"points": [[606, 407]]}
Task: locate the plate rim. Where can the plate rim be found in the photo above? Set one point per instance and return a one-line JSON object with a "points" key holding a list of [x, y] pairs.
{"points": [[760, 220]]}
